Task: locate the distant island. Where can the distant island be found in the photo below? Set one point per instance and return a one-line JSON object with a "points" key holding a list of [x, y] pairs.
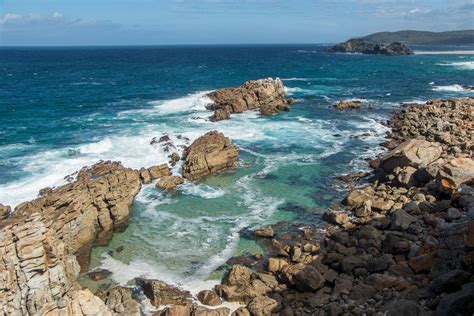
{"points": [[464, 37], [362, 46]]}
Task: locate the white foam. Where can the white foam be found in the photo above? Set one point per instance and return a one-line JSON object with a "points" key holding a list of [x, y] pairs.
{"points": [[451, 88], [96, 148], [466, 65], [192, 102], [201, 190]]}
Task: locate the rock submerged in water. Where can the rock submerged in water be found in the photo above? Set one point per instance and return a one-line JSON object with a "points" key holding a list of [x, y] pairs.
{"points": [[265, 95], [362, 46], [211, 153], [348, 105]]}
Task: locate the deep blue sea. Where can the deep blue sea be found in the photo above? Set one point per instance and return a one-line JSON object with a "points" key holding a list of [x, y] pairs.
{"points": [[64, 108]]}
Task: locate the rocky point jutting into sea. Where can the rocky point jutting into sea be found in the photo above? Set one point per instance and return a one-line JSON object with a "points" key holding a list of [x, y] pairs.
{"points": [[401, 242]]}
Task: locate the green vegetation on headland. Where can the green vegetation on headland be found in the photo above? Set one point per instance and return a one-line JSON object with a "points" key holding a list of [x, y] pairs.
{"points": [[464, 37]]}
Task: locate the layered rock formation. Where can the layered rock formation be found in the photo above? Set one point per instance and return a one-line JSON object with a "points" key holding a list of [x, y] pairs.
{"points": [[361, 46], [266, 95], [40, 241], [208, 154]]}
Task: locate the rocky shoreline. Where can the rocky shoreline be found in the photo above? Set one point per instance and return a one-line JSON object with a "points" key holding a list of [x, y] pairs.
{"points": [[403, 242]]}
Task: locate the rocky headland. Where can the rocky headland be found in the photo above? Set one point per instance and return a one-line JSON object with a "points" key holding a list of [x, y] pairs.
{"points": [[402, 241], [362, 46], [265, 95]]}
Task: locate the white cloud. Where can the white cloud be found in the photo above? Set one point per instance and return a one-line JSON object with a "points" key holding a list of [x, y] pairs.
{"points": [[8, 17], [56, 15]]}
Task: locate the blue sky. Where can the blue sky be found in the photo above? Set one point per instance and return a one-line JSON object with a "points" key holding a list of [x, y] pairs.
{"points": [[131, 22]]}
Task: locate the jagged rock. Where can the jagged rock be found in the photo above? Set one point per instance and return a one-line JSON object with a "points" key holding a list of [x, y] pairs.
{"points": [[400, 220], [275, 264], [458, 303], [303, 277], [358, 45], [169, 182], [209, 298], [202, 311], [454, 173], [100, 274], [38, 243], [358, 197], [241, 311], [345, 105], [364, 210], [362, 292], [265, 232], [5, 210], [336, 218], [263, 306], [209, 154], [177, 310], [157, 172], [266, 95], [145, 176], [161, 293], [414, 153], [174, 158], [242, 285], [119, 300]]}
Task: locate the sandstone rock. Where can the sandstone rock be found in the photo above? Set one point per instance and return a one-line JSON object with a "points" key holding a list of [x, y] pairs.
{"points": [[168, 183], [263, 306], [177, 310], [145, 176], [302, 276], [454, 173], [241, 311], [266, 95], [265, 232], [202, 311], [413, 153], [242, 285], [209, 154], [38, 243], [157, 172], [358, 197], [275, 264], [364, 210], [5, 210], [344, 105], [336, 218], [119, 300], [161, 293], [209, 298]]}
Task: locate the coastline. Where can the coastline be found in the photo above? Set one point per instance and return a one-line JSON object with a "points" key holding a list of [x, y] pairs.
{"points": [[298, 271], [448, 52]]}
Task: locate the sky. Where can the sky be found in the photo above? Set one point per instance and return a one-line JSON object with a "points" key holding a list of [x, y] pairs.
{"points": [[170, 22]]}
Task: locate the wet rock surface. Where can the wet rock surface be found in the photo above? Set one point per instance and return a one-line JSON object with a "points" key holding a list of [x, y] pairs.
{"points": [[211, 153], [265, 95]]}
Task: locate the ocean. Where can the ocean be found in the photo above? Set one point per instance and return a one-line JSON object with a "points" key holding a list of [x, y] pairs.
{"points": [[65, 108]]}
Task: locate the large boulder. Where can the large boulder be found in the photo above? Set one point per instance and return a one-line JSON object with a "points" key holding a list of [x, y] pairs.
{"points": [[303, 277], [243, 284], [454, 173], [4, 211], [208, 154], [458, 303], [266, 95], [414, 153], [120, 301], [161, 293], [168, 183]]}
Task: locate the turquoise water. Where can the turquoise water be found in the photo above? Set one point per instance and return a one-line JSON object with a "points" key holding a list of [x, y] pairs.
{"points": [[63, 108]]}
